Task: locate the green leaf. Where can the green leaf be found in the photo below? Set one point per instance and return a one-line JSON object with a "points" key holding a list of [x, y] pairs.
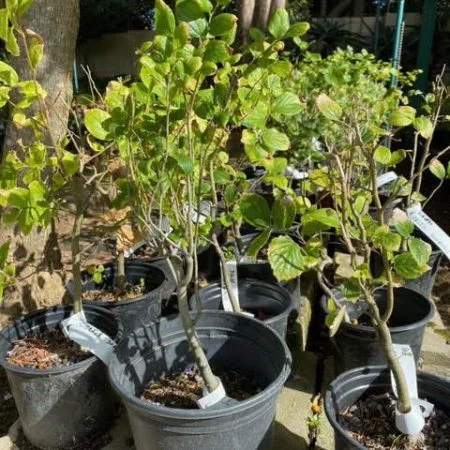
{"points": [[94, 120], [37, 193], [4, 250], [230, 194], [420, 250], [423, 126], [283, 69], [11, 43], [164, 18], [334, 320], [258, 243], [407, 267], [198, 28], [23, 6], [298, 29], [256, 34], [222, 24], [330, 109], [216, 51], [70, 163], [283, 212], [256, 118], [402, 223], [3, 24], [185, 163], [279, 24], [319, 220], [275, 140], [36, 51], [382, 155], [18, 197], [397, 157], [285, 258], [438, 169], [255, 210], [8, 75], [181, 34], [388, 240], [189, 10], [287, 104], [403, 116]]}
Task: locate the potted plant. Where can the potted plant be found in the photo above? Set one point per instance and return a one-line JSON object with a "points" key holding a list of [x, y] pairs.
{"points": [[61, 391], [363, 293], [191, 92]]}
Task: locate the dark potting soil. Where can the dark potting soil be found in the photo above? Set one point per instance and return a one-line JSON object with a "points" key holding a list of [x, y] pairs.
{"points": [[371, 422], [183, 389], [47, 350], [144, 252], [8, 411], [113, 295]]}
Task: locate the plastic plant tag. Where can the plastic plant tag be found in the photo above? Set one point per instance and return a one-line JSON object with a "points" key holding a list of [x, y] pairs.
{"points": [[386, 178], [135, 247], [413, 421], [83, 333], [434, 232], [211, 398], [231, 268]]}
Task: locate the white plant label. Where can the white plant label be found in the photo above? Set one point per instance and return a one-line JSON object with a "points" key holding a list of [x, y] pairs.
{"points": [[83, 333], [231, 268], [435, 233], [131, 250], [292, 172], [211, 398], [386, 178], [413, 421]]}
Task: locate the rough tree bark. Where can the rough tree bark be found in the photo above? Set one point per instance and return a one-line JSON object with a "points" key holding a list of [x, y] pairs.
{"points": [[255, 14], [36, 256]]}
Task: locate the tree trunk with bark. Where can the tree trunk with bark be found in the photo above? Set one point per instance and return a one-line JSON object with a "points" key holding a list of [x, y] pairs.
{"points": [[37, 256], [255, 14]]}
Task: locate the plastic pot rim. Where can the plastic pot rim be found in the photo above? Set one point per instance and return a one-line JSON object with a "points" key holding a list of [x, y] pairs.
{"points": [[203, 414], [362, 372], [397, 329], [55, 370]]}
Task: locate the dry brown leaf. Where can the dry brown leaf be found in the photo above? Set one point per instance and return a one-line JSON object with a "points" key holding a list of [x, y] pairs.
{"points": [[127, 237]]}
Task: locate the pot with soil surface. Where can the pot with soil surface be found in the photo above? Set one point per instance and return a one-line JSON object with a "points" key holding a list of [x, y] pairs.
{"points": [[251, 359], [268, 302], [359, 405], [61, 392], [140, 301], [356, 344]]}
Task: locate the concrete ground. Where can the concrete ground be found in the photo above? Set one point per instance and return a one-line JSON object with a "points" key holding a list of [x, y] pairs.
{"points": [[294, 404]]}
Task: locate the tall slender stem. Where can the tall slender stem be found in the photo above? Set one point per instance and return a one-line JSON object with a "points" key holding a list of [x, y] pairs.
{"points": [[77, 190]]}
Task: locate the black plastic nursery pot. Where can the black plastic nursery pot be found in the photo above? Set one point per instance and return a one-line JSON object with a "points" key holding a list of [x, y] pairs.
{"points": [[256, 297], [231, 341], [357, 345], [61, 407], [138, 311], [350, 386]]}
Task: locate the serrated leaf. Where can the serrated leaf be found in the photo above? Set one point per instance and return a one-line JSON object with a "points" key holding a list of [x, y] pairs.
{"points": [[283, 212], [216, 51], [298, 29], [36, 192], [407, 267], [423, 126], [278, 24], [329, 108], [388, 240], [420, 250], [287, 104], [189, 10], [402, 223], [258, 243], [230, 194], [185, 163], [256, 118], [403, 116], [8, 75], [94, 120], [282, 68], [255, 210], [382, 155], [198, 28], [164, 18], [285, 258], [319, 220], [396, 157], [18, 197], [275, 140], [438, 169]]}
